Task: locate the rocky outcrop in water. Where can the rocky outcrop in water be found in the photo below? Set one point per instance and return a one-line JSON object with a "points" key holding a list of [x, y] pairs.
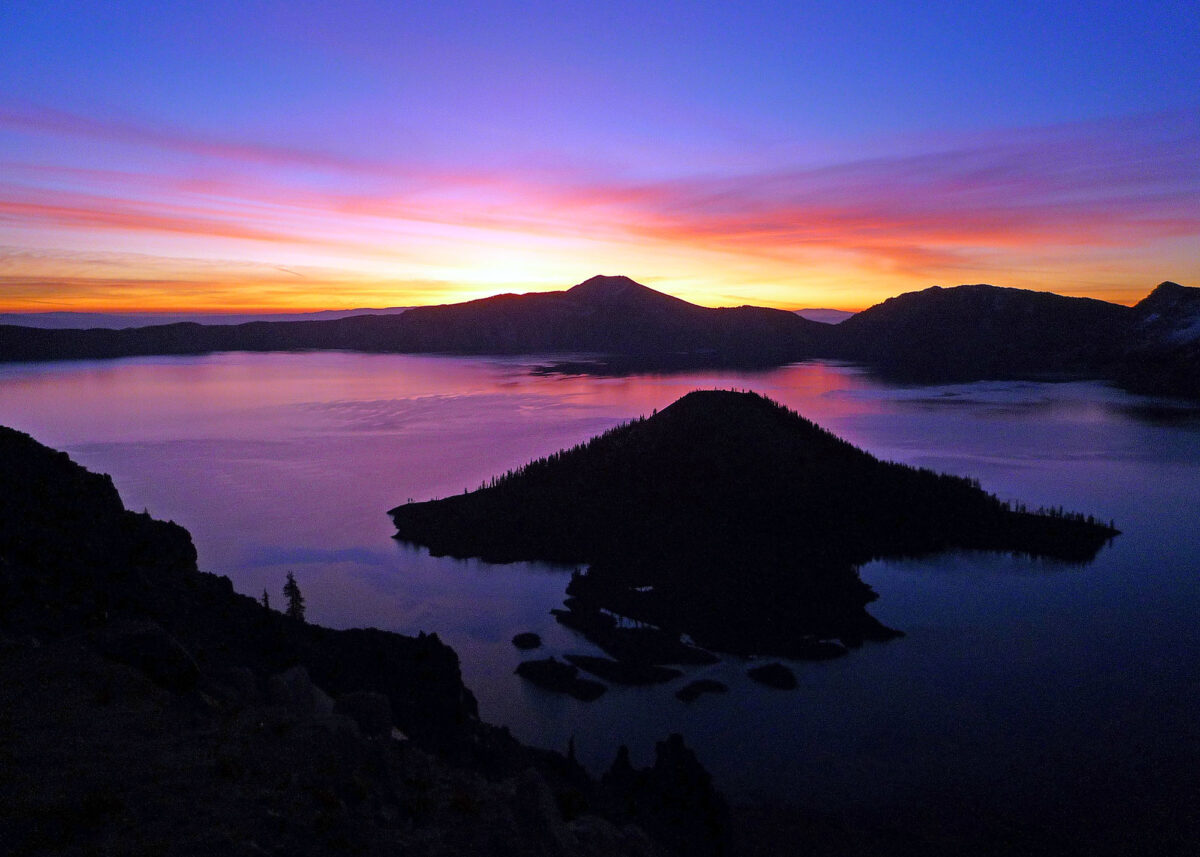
{"points": [[553, 674], [773, 675], [693, 690], [730, 519], [527, 640]]}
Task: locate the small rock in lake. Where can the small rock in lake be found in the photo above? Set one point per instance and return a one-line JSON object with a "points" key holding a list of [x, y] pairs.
{"points": [[774, 675], [699, 687], [553, 674], [623, 672], [527, 640]]}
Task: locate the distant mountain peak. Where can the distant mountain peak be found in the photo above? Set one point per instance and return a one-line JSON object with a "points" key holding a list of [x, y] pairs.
{"points": [[605, 289], [608, 281], [1168, 293], [824, 315]]}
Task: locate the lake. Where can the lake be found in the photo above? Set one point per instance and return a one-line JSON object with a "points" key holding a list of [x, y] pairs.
{"points": [[1025, 693]]}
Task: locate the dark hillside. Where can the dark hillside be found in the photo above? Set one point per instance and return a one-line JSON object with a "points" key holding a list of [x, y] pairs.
{"points": [[73, 560], [146, 708], [1164, 348], [610, 315], [980, 331]]}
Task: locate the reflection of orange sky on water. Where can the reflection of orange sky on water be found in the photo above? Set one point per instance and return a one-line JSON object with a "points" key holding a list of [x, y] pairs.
{"points": [[639, 395], [250, 395]]}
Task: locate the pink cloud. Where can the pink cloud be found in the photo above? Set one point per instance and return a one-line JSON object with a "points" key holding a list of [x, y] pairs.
{"points": [[81, 210], [1108, 184], [1105, 184]]}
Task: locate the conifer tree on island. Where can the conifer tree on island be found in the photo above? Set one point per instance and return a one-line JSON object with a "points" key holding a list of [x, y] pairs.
{"points": [[295, 601]]}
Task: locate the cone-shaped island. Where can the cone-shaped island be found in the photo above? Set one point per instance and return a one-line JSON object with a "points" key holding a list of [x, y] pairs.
{"points": [[734, 520]]}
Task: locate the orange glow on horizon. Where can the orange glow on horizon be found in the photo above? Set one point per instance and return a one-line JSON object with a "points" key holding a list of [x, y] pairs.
{"points": [[239, 298]]}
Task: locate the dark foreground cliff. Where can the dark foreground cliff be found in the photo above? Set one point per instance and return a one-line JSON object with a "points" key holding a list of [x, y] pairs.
{"points": [[146, 708], [731, 519]]}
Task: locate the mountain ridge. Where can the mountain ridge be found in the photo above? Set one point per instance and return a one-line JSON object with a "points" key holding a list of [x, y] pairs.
{"points": [[984, 331], [960, 333], [72, 320]]}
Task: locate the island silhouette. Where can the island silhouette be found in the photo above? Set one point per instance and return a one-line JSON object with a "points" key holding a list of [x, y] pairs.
{"points": [[730, 519]]}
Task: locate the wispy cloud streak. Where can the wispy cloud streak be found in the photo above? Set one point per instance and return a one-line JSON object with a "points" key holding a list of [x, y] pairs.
{"points": [[1109, 185], [958, 206], [45, 120]]}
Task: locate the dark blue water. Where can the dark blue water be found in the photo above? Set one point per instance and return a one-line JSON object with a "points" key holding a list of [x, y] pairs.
{"points": [[1024, 689]]}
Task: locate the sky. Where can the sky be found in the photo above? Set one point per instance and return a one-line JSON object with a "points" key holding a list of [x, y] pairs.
{"points": [[238, 156]]}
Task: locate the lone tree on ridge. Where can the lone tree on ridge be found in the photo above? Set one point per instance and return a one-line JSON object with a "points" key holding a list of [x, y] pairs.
{"points": [[295, 601]]}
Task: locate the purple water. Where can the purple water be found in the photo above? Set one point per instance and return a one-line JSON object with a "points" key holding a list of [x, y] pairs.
{"points": [[1023, 690]]}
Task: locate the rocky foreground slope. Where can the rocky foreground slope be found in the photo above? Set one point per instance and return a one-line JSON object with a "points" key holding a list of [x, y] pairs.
{"points": [[146, 708]]}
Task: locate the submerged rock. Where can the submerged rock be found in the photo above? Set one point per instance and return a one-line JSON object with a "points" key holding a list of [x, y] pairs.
{"points": [[527, 640], [553, 674], [694, 690], [774, 675], [642, 645], [624, 672]]}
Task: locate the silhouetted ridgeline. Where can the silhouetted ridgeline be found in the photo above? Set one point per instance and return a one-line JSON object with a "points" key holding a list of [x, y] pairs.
{"points": [[145, 707], [75, 560], [981, 331], [604, 314], [955, 334], [1163, 354], [728, 517]]}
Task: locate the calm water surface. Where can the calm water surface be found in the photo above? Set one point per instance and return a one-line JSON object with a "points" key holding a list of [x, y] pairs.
{"points": [[1023, 689]]}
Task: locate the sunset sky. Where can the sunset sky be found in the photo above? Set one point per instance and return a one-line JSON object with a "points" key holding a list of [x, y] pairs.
{"points": [[311, 155]]}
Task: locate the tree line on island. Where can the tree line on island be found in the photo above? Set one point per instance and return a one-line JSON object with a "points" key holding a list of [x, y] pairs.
{"points": [[731, 519]]}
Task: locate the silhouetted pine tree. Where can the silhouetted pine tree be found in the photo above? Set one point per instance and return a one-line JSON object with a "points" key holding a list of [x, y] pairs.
{"points": [[295, 601]]}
